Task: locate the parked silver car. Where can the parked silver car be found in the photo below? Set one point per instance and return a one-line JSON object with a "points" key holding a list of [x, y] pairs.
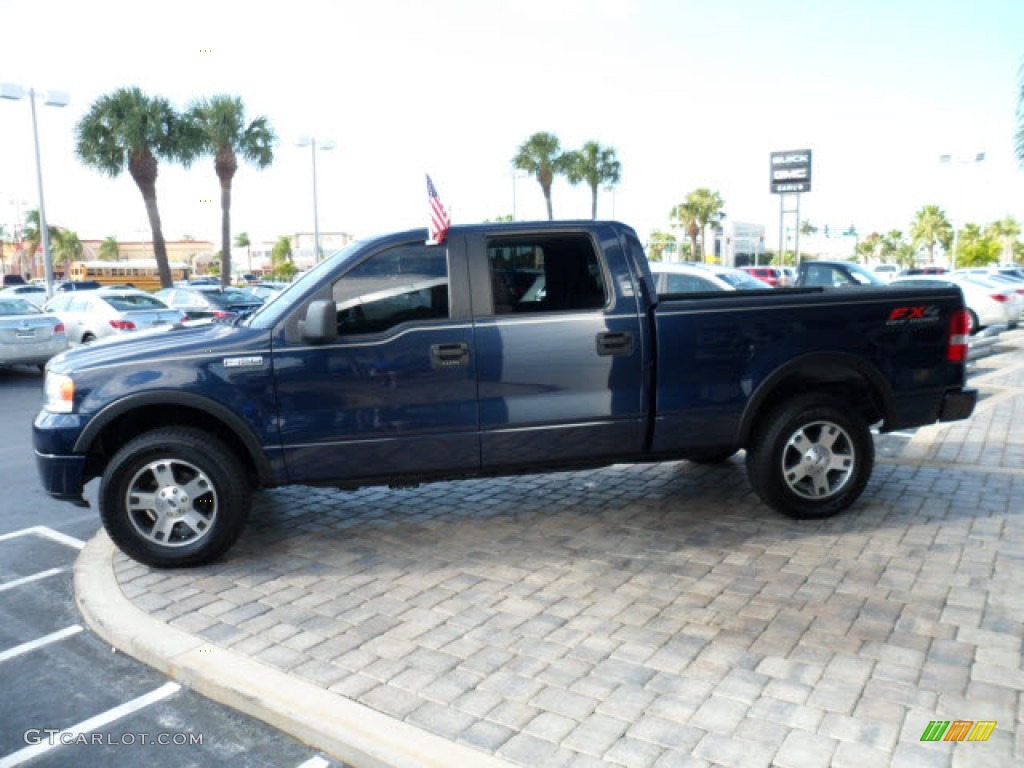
{"points": [[27, 335], [30, 292], [91, 315]]}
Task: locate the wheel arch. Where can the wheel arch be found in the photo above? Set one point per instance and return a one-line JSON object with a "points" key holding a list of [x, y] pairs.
{"points": [[131, 416], [842, 376]]}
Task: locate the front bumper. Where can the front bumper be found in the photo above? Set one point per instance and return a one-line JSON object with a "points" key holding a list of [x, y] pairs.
{"points": [[61, 476], [958, 405]]}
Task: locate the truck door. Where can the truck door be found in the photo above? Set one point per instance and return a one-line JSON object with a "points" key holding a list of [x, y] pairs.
{"points": [[395, 394], [561, 348]]}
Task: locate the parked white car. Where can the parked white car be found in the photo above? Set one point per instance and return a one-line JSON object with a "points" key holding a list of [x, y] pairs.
{"points": [[887, 272], [91, 315], [30, 292], [1013, 289], [697, 278], [987, 306]]}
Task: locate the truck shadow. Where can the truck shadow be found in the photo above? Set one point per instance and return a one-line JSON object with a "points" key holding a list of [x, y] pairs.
{"points": [[659, 512]]}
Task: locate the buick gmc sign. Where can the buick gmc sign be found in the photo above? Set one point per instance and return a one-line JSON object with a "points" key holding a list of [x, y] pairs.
{"points": [[791, 171]]}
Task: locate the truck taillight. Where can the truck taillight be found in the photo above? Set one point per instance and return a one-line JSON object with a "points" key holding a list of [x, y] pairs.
{"points": [[959, 333]]}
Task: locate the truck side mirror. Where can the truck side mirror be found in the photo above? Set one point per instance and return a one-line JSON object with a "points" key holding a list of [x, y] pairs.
{"points": [[321, 321]]}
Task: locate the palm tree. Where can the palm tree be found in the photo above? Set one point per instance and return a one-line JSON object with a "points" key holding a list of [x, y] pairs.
{"points": [[684, 218], [32, 234], [595, 165], [540, 155], [281, 252], [707, 209], [889, 245], [128, 130], [242, 241], [660, 242], [281, 257], [808, 229], [110, 249], [223, 133], [66, 247], [931, 226], [1006, 230], [868, 247]]}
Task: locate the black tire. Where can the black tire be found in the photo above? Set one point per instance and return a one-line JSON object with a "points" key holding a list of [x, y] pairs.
{"points": [[88, 338], [194, 479], [714, 458], [973, 325], [811, 457]]}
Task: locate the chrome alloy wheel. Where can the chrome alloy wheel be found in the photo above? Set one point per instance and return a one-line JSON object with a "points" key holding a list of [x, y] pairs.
{"points": [[171, 502], [818, 461]]}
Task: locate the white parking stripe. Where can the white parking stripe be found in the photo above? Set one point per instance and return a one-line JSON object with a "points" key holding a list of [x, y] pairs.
{"points": [[60, 538], [30, 579], [92, 724], [314, 762], [53, 637], [47, 533]]}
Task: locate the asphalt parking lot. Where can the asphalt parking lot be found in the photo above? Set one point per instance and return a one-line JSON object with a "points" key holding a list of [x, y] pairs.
{"points": [[631, 616], [69, 698]]}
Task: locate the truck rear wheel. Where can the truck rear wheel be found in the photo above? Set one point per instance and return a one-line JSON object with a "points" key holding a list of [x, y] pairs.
{"points": [[811, 458], [174, 498]]}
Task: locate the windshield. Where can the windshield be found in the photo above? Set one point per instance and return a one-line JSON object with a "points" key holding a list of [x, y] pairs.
{"points": [[17, 307], [268, 314], [231, 296], [741, 280], [134, 301], [864, 276]]}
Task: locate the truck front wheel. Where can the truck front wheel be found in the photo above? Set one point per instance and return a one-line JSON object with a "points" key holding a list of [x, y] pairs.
{"points": [[811, 458], [174, 498]]}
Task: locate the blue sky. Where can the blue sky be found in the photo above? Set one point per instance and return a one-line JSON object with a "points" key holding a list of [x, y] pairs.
{"points": [[689, 93]]}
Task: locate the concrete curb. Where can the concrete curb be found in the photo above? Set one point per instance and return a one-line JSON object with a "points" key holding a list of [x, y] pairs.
{"points": [[339, 727]]}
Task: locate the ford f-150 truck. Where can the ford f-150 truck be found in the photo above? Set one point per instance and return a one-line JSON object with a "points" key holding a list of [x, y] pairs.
{"points": [[508, 348]]}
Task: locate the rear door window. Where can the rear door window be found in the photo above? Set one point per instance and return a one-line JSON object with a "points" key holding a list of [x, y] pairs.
{"points": [[545, 273]]}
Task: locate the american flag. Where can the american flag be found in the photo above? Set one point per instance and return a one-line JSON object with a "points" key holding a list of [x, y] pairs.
{"points": [[439, 218]]}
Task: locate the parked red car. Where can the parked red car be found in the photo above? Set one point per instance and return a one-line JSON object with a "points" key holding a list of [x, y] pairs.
{"points": [[769, 275]]}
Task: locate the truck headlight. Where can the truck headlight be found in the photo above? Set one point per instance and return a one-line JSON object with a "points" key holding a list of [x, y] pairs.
{"points": [[58, 393]]}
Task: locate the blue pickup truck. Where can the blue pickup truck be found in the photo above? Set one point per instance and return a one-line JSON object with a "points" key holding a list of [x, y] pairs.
{"points": [[509, 348]]}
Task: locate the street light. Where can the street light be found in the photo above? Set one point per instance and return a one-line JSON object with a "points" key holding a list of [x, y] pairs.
{"points": [[976, 159], [53, 99], [325, 145]]}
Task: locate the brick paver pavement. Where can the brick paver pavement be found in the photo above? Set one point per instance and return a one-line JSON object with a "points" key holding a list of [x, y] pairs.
{"points": [[653, 615]]}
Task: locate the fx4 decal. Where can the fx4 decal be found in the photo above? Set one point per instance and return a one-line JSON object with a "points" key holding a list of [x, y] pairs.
{"points": [[913, 315]]}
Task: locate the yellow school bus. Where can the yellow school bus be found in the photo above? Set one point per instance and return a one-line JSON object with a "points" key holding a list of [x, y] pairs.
{"points": [[140, 273]]}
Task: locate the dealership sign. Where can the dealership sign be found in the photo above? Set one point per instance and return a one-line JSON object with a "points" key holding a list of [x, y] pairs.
{"points": [[791, 171]]}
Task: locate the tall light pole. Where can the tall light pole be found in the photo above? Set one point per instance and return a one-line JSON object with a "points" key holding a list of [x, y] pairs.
{"points": [[53, 99], [324, 145], [975, 159]]}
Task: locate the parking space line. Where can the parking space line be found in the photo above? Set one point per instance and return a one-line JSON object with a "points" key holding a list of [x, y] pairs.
{"points": [[92, 724], [314, 762], [60, 538], [29, 579], [46, 533], [53, 637]]}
